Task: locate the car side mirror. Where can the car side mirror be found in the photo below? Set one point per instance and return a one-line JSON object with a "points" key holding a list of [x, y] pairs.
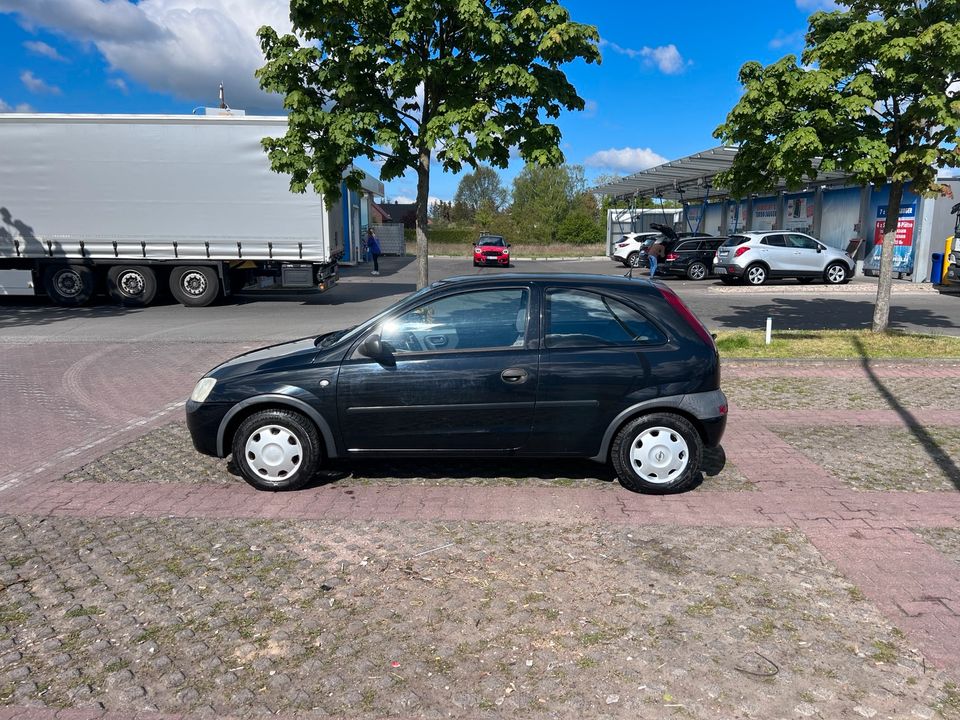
{"points": [[819, 249], [372, 348], [508, 244]]}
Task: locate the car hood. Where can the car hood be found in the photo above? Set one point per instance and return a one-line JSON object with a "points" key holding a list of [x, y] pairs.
{"points": [[268, 358], [490, 248]]}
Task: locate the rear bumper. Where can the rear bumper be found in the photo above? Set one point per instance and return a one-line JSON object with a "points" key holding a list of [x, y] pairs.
{"points": [[713, 430]]}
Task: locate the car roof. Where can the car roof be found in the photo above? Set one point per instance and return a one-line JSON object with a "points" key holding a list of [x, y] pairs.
{"points": [[585, 279]]}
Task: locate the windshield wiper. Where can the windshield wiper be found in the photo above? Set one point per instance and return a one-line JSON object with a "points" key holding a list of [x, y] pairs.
{"points": [[330, 338]]}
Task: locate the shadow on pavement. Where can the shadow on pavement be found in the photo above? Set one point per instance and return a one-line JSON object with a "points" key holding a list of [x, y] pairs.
{"points": [[926, 440], [810, 314]]}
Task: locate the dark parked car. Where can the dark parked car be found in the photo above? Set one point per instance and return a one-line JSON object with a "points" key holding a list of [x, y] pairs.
{"points": [[669, 237], [691, 257], [542, 365]]}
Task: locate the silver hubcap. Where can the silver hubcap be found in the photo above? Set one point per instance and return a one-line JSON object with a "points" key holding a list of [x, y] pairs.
{"points": [[273, 452], [836, 274], [756, 275], [131, 283], [193, 283], [659, 455], [697, 272], [68, 283], [635, 260]]}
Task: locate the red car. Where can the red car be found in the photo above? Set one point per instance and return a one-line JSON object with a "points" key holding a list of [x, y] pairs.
{"points": [[491, 250]]}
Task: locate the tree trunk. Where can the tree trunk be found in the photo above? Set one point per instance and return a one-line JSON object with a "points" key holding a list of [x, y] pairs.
{"points": [[881, 311], [423, 200]]}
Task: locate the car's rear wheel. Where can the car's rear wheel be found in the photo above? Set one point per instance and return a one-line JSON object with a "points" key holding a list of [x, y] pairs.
{"points": [[755, 275], [835, 274], [657, 453], [277, 449], [633, 259], [696, 271]]}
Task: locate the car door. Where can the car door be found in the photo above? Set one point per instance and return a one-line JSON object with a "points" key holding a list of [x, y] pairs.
{"points": [[708, 252], [457, 374], [776, 254], [600, 355], [806, 257]]}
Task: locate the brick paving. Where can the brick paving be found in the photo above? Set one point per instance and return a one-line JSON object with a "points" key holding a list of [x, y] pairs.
{"points": [[868, 536]]}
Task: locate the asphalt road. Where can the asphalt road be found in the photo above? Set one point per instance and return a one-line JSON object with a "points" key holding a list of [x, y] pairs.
{"points": [[264, 316]]}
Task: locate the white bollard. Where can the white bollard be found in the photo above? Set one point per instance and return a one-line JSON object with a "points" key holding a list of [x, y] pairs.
{"points": [[769, 329]]}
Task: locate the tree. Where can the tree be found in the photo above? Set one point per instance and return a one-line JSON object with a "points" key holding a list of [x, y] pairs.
{"points": [[542, 197], [480, 190], [872, 98], [410, 82]]}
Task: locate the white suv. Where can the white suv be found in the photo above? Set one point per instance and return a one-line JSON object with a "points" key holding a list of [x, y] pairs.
{"points": [[632, 247], [755, 257]]}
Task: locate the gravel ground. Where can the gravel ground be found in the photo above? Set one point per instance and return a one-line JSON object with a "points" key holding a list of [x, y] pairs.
{"points": [[433, 620], [871, 458], [946, 540], [785, 393], [166, 455]]}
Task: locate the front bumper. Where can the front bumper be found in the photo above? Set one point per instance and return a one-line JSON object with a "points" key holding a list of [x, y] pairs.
{"points": [[203, 422], [483, 260]]}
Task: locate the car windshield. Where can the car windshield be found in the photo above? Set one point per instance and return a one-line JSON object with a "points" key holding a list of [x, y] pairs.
{"points": [[735, 240], [351, 334], [494, 240]]}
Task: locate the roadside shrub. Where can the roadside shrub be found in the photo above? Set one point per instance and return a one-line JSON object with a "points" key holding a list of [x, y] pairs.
{"points": [[579, 228], [460, 236]]}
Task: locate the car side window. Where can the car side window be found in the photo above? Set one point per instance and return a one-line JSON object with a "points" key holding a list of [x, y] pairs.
{"points": [[685, 247], [576, 318], [479, 320], [803, 242], [774, 241]]}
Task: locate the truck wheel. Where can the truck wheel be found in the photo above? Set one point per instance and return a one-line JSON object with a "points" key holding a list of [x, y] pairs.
{"points": [[69, 285], [132, 285], [194, 286]]}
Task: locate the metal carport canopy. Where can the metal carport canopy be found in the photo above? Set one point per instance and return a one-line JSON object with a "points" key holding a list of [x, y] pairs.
{"points": [[690, 178]]}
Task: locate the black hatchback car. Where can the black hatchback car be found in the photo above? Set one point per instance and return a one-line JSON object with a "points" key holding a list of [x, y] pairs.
{"points": [[600, 367], [691, 258]]}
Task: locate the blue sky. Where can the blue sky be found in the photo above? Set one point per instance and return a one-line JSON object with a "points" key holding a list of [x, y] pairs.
{"points": [[668, 77]]}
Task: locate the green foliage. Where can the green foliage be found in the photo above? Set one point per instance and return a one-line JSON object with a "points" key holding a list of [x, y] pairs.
{"points": [[542, 199], [871, 98], [401, 80], [456, 236], [580, 228], [479, 192]]}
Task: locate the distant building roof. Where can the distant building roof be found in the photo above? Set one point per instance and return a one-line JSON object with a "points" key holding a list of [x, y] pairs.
{"points": [[405, 213]]}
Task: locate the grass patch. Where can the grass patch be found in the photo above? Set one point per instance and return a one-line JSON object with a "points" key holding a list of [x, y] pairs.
{"points": [[848, 344]]}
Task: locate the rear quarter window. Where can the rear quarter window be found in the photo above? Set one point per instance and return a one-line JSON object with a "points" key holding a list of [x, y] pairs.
{"points": [[735, 240]]}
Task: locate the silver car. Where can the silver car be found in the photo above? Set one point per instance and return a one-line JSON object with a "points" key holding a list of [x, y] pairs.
{"points": [[755, 257]]}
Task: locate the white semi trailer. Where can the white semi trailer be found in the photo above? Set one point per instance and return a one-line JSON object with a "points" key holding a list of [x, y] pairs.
{"points": [[128, 204]]}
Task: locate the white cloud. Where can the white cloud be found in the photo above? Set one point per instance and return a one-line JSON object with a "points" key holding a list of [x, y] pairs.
{"points": [[402, 199], [812, 5], [6, 107], [789, 40], [47, 51], [119, 84], [590, 108], [625, 159], [38, 85], [666, 58], [182, 47]]}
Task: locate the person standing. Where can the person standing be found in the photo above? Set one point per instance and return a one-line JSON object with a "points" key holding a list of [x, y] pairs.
{"points": [[373, 246], [654, 255]]}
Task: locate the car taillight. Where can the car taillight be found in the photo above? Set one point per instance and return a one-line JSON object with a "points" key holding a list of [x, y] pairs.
{"points": [[671, 256], [741, 250], [677, 304]]}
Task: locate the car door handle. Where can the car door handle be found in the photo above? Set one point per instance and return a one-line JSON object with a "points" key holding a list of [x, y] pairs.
{"points": [[514, 376]]}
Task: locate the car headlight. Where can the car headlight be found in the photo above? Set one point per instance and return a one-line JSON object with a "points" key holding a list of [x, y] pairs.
{"points": [[506, 252], [202, 391], [953, 258]]}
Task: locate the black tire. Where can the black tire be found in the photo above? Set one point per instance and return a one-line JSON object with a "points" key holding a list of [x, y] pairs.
{"points": [[697, 271], [671, 427], [728, 280], [836, 274], [194, 285], [633, 259], [132, 285], [625, 263], [69, 285], [263, 423], [805, 280], [755, 275]]}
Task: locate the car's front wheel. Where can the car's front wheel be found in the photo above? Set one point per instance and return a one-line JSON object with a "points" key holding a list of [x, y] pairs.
{"points": [[277, 449], [835, 274], [657, 453]]}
